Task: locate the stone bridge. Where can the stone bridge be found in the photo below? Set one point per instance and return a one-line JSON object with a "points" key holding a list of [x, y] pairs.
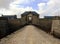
{"points": [[30, 29], [29, 35]]}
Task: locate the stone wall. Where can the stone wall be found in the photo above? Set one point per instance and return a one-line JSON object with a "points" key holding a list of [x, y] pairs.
{"points": [[56, 27], [45, 24], [14, 24], [9, 26], [3, 27], [35, 20]]}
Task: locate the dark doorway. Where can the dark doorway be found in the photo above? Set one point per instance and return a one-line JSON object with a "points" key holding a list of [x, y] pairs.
{"points": [[30, 19]]}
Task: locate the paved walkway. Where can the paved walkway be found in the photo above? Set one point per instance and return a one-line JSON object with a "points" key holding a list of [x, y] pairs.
{"points": [[29, 35]]}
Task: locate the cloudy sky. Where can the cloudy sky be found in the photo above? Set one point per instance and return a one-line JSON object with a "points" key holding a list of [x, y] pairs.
{"points": [[43, 7]]}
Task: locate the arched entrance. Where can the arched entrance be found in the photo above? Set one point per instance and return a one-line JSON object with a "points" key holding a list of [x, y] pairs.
{"points": [[30, 19]]}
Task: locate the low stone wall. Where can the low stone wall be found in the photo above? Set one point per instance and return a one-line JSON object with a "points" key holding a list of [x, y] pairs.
{"points": [[14, 24], [3, 27], [9, 26], [45, 24]]}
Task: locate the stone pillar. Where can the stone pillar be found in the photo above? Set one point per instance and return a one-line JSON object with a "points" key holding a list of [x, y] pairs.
{"points": [[55, 26]]}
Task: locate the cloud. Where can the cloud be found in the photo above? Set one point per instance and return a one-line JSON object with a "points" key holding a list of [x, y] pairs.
{"points": [[23, 1], [10, 7], [15, 11], [51, 8], [42, 6], [5, 3]]}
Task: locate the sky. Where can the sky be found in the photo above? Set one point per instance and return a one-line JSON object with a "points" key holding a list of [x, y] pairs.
{"points": [[42, 7]]}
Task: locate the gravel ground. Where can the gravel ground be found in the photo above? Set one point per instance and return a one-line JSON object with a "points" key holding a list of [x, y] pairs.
{"points": [[29, 35]]}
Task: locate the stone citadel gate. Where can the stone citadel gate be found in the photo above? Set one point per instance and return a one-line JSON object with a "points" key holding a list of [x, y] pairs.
{"points": [[30, 17]]}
